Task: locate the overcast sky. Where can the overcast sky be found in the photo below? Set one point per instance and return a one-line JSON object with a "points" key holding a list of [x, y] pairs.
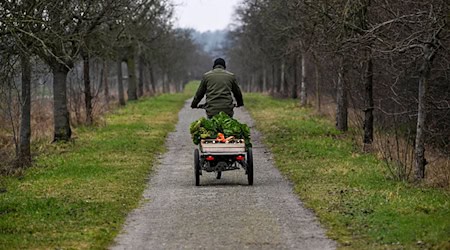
{"points": [[204, 15]]}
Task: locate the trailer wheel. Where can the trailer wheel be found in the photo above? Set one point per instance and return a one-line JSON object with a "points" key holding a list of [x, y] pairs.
{"points": [[197, 167], [250, 166]]}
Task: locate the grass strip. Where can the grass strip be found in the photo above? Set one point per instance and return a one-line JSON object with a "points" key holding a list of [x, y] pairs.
{"points": [[78, 194], [349, 191]]}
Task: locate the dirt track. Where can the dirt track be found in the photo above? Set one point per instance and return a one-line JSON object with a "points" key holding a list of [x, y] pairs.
{"points": [[221, 214]]}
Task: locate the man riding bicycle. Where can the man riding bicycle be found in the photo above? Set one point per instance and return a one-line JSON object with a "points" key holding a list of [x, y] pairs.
{"points": [[218, 85]]}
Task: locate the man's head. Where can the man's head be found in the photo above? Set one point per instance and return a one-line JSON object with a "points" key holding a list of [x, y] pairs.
{"points": [[219, 61]]}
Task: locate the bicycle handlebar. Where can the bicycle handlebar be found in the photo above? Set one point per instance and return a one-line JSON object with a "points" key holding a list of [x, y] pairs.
{"points": [[202, 105]]}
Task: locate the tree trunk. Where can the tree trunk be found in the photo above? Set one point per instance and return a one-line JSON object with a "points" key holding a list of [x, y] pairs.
{"points": [[132, 87], [272, 89], [164, 82], [120, 83], [146, 82], [342, 102], [179, 86], [294, 85], [264, 80], [60, 113], [317, 87], [87, 89], [171, 83], [152, 78], [260, 81], [105, 81], [252, 83], [420, 160], [368, 111], [141, 77], [303, 96], [24, 152], [282, 78]]}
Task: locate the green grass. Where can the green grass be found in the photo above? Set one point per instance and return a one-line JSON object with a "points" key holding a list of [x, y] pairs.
{"points": [[349, 191], [78, 194]]}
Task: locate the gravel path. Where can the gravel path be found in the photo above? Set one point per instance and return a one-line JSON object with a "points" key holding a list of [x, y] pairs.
{"points": [[220, 214]]}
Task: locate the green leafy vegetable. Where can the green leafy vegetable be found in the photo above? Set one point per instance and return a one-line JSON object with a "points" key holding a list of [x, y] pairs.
{"points": [[221, 123]]}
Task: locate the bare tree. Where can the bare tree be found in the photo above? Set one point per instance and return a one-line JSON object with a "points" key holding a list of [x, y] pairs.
{"points": [[19, 47], [387, 57], [341, 98], [24, 156], [74, 36]]}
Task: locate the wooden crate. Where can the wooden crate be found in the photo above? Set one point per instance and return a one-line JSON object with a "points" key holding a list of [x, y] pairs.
{"points": [[222, 147]]}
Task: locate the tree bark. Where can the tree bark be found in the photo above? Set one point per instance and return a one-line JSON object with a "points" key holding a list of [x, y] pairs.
{"points": [[60, 112], [264, 80], [120, 83], [273, 86], [303, 96], [141, 77], [171, 84], [24, 152], [260, 81], [420, 161], [152, 78], [317, 87], [105, 81], [280, 88], [342, 102], [294, 85], [180, 86], [146, 82], [368, 111], [132, 87], [165, 83], [87, 88]]}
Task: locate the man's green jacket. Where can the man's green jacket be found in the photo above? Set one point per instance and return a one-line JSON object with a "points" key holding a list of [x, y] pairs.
{"points": [[218, 84]]}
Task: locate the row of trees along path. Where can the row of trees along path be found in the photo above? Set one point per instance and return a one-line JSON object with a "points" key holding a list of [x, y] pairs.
{"points": [[388, 60], [65, 36]]}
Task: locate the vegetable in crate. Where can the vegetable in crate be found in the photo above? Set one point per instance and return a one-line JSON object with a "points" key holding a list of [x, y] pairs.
{"points": [[220, 123]]}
